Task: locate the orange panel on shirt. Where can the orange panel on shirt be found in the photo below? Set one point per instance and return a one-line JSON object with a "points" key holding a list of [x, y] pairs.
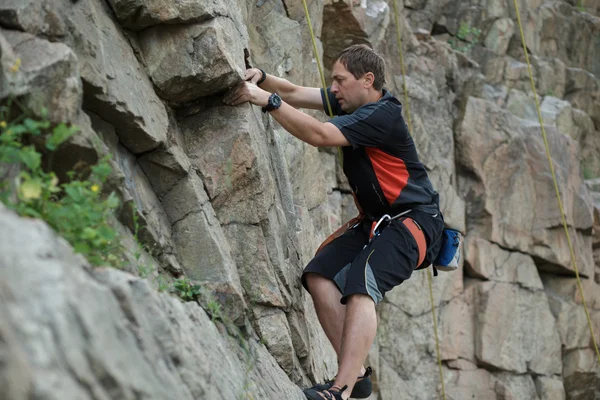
{"points": [[391, 173]]}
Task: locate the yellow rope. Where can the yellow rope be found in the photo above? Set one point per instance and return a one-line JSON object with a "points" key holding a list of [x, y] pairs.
{"points": [[316, 51], [323, 83], [560, 204], [429, 277]]}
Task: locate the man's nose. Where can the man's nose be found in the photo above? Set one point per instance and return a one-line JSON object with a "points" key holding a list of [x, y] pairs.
{"points": [[334, 88]]}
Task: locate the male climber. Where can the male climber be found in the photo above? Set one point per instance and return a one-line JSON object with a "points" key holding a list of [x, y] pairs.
{"points": [[356, 266]]}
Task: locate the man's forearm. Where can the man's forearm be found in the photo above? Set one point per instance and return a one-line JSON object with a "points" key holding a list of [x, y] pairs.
{"points": [[302, 126], [277, 85]]}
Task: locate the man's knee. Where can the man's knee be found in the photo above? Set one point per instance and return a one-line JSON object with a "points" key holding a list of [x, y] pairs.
{"points": [[359, 298], [316, 283]]}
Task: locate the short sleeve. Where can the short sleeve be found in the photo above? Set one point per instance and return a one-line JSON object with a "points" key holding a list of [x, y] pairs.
{"points": [[369, 126], [335, 105]]}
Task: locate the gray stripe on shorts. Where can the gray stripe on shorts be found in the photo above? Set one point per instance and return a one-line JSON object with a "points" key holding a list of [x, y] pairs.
{"points": [[341, 277], [371, 285]]}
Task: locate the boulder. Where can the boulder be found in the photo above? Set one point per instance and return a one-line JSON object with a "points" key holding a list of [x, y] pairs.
{"points": [[42, 74], [550, 388], [202, 247], [140, 14], [165, 167], [485, 260], [227, 147], [474, 384], [509, 386], [580, 374], [559, 113], [550, 76], [457, 329], [116, 86], [499, 35], [516, 331], [514, 212], [521, 105], [186, 62], [583, 92], [257, 275], [274, 331], [569, 35], [38, 17], [274, 47]]}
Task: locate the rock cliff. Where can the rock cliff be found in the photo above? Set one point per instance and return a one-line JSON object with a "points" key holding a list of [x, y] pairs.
{"points": [[225, 197]]}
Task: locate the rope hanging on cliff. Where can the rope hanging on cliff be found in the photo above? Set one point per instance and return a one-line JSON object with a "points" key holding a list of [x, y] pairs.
{"points": [[321, 74], [560, 204], [324, 84], [429, 277]]}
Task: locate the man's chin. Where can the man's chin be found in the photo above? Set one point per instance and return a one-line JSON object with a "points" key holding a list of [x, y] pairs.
{"points": [[347, 109]]}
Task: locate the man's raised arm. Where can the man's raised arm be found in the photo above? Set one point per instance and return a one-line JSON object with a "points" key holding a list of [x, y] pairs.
{"points": [[294, 95]]}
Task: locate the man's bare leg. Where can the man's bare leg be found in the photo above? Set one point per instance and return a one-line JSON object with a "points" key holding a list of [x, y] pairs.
{"points": [[332, 314], [359, 331], [326, 298]]}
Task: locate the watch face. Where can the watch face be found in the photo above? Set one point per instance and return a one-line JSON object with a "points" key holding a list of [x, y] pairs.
{"points": [[276, 100]]}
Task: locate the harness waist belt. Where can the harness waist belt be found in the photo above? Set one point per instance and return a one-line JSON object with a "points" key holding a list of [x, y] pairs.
{"points": [[417, 233]]}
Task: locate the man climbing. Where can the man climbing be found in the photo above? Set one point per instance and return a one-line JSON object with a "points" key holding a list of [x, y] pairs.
{"points": [[399, 226]]}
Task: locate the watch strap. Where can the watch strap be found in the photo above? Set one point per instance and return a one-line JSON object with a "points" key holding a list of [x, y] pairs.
{"points": [[263, 77]]}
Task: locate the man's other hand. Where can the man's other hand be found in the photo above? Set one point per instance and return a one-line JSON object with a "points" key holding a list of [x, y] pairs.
{"points": [[247, 91], [253, 75]]}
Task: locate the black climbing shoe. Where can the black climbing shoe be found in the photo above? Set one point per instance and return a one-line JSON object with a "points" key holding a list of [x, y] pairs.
{"points": [[362, 389], [333, 393]]}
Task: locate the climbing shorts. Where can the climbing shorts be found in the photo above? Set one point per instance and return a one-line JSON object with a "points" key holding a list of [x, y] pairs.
{"points": [[358, 265]]}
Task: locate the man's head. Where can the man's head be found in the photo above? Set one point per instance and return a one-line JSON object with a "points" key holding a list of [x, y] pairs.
{"points": [[358, 75]]}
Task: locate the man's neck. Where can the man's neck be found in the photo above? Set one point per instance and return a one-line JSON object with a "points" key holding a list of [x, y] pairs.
{"points": [[375, 96]]}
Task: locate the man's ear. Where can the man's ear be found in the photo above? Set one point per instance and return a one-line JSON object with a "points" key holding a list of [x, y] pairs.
{"points": [[369, 79]]}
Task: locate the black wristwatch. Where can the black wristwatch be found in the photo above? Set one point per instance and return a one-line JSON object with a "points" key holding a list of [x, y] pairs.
{"points": [[274, 103]]}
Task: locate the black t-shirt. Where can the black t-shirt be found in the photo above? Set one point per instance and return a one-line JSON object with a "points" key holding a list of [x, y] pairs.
{"points": [[382, 165]]}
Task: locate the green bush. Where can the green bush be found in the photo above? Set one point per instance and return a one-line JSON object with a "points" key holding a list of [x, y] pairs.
{"points": [[77, 210], [466, 37], [186, 290]]}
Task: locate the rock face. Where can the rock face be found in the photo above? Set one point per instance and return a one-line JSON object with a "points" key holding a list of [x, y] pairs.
{"points": [[225, 197], [523, 219], [152, 346]]}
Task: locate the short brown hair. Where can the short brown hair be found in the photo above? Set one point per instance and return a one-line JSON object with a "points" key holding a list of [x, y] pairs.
{"points": [[360, 59]]}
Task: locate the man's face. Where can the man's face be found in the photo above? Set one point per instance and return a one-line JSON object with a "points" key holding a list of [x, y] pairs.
{"points": [[349, 91]]}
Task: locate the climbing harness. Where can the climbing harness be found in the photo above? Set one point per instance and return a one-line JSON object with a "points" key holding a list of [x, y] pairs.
{"points": [[449, 255], [560, 204], [385, 219], [410, 224]]}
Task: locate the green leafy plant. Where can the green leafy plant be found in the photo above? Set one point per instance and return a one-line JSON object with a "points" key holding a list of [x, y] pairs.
{"points": [[587, 172], [466, 37], [162, 284], [581, 7], [143, 270], [76, 209], [186, 290], [214, 309]]}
